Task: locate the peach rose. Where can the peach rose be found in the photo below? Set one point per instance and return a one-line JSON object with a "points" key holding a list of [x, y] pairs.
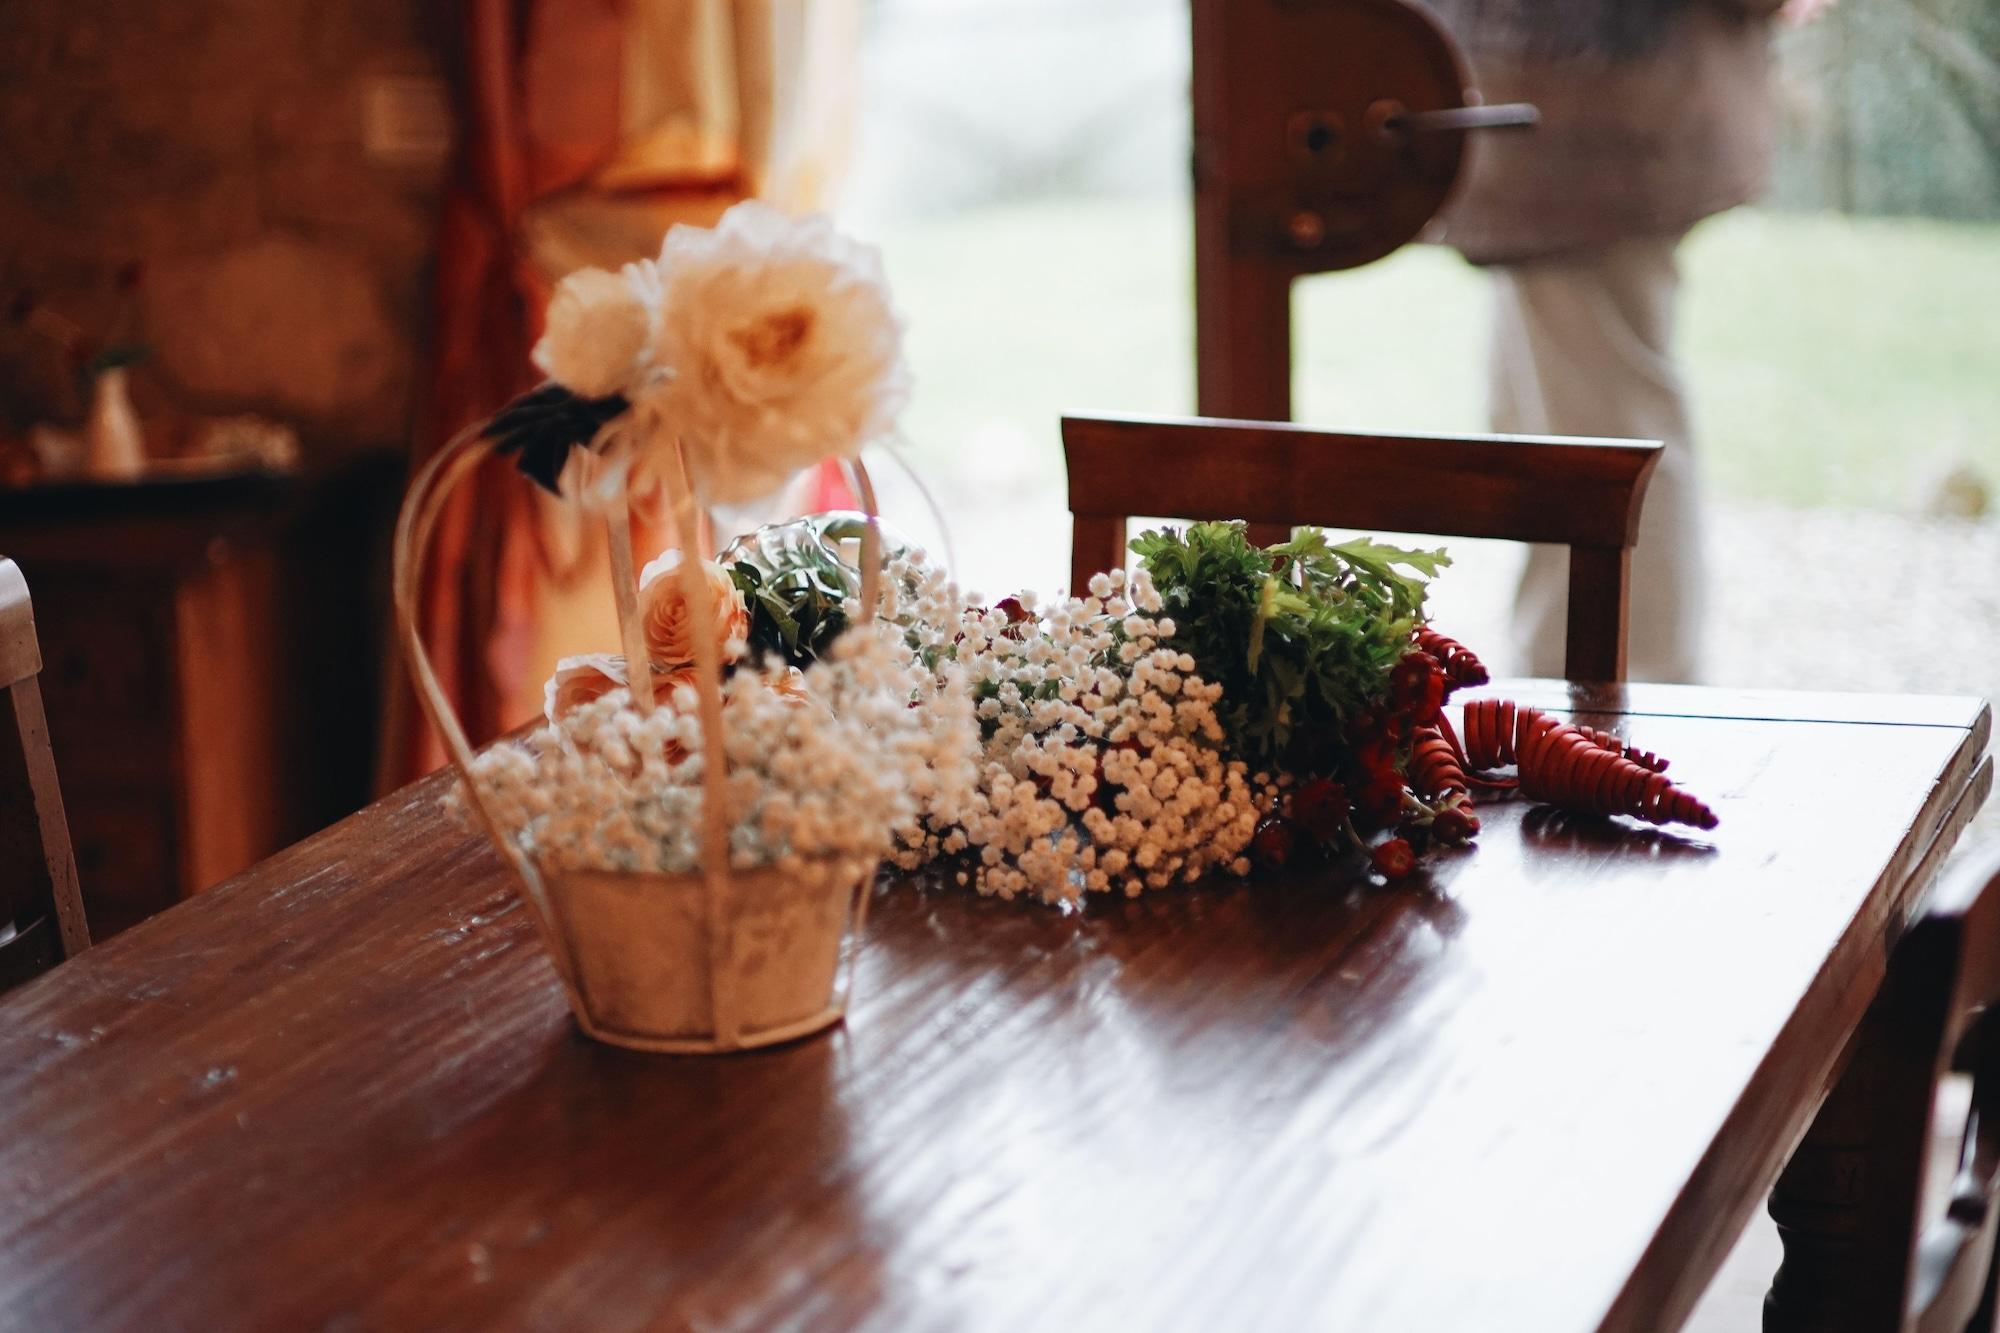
{"points": [[582, 680], [668, 621], [667, 684]]}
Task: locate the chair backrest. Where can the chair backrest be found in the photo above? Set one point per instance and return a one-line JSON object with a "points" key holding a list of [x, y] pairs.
{"points": [[1580, 493], [40, 908]]}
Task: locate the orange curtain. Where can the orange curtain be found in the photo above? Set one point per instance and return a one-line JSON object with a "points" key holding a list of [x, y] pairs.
{"points": [[587, 127]]}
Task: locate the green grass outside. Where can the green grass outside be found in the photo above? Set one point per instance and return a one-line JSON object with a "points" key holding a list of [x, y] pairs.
{"points": [[1835, 361]]}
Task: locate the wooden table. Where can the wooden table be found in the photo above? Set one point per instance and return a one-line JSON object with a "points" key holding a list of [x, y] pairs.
{"points": [[1542, 1089]]}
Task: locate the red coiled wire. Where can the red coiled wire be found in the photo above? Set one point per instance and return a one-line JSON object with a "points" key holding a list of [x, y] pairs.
{"points": [[1579, 769], [1460, 664], [1436, 769], [1604, 740]]}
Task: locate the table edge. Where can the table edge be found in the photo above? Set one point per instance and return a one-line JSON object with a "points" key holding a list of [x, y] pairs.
{"points": [[1688, 1247], [1962, 711]]}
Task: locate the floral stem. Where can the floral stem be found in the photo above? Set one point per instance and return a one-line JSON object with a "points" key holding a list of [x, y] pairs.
{"points": [[871, 539], [625, 588]]}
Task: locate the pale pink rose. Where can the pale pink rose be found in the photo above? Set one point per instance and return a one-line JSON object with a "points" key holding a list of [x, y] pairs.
{"points": [[668, 622], [582, 680], [790, 686]]}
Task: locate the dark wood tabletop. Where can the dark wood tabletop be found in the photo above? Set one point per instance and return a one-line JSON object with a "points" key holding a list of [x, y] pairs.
{"points": [[1541, 1087]]}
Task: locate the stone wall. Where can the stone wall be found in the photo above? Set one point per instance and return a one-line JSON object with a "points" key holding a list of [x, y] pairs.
{"points": [[274, 167]]}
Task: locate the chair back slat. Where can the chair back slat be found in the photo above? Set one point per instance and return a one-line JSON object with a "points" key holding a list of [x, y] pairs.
{"points": [[1581, 493], [20, 651], [39, 901], [1951, 957]]}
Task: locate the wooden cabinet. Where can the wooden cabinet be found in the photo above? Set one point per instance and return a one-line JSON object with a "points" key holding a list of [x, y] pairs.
{"points": [[211, 654]]}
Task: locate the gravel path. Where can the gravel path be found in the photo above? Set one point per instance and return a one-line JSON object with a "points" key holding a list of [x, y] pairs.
{"points": [[1861, 601]]}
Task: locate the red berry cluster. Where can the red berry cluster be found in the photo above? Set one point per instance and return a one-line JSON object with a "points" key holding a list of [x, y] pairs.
{"points": [[1394, 859], [1020, 620], [1418, 687], [1368, 791], [1378, 739], [1313, 818]]}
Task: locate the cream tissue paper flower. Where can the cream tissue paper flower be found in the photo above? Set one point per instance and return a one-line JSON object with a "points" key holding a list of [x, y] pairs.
{"points": [[597, 338], [780, 348]]}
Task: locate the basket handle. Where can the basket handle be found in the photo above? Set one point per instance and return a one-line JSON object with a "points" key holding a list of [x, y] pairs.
{"points": [[415, 524], [871, 584]]}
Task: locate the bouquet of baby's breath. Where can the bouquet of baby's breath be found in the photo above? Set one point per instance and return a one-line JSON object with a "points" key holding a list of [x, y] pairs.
{"points": [[1223, 706], [1147, 733]]}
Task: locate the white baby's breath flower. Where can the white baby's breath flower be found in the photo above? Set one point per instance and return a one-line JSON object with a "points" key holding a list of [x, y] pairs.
{"points": [[598, 334], [780, 345], [831, 779], [1070, 755]]}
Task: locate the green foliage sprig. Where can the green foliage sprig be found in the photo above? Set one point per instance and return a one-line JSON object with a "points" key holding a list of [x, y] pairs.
{"points": [[1301, 636], [795, 605]]}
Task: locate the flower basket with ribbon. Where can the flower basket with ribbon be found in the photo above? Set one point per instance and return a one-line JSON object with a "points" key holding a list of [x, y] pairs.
{"points": [[696, 833]]}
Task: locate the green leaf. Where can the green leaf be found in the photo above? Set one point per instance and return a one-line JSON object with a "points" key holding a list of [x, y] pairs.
{"points": [[1259, 621], [1301, 635], [1366, 549], [795, 605]]}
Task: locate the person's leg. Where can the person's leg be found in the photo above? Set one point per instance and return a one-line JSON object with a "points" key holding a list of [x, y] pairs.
{"points": [[1584, 347]]}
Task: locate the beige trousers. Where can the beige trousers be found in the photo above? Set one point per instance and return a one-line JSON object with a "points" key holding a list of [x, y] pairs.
{"points": [[1583, 346]]}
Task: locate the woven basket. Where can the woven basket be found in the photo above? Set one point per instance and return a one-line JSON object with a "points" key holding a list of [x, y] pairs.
{"points": [[689, 964]]}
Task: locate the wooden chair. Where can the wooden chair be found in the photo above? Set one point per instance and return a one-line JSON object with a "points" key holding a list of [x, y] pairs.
{"points": [[1580, 493], [1858, 1252], [41, 913]]}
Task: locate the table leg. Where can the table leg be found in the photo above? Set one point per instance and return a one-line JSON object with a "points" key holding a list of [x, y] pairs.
{"points": [[1846, 1203]]}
